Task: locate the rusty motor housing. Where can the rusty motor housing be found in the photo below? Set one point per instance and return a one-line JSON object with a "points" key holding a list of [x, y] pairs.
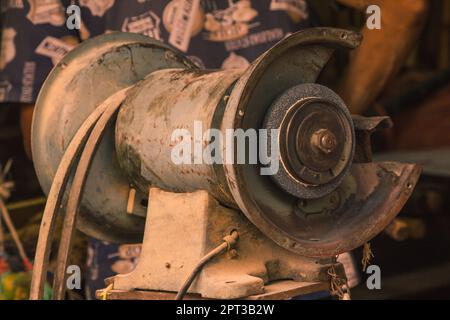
{"points": [[327, 196]]}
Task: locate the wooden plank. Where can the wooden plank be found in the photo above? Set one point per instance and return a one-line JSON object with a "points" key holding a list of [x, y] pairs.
{"points": [[283, 290], [280, 290]]}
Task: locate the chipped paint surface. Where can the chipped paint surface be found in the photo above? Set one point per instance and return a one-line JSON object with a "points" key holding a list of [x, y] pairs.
{"points": [[165, 101], [173, 94]]}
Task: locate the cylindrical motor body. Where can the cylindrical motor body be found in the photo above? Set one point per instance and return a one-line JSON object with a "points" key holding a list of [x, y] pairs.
{"points": [[153, 119], [176, 108]]}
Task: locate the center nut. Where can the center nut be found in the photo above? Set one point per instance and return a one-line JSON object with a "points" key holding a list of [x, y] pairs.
{"points": [[324, 140], [316, 140]]}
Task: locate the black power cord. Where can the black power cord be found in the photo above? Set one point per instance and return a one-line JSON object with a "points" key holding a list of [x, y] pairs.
{"points": [[229, 242]]}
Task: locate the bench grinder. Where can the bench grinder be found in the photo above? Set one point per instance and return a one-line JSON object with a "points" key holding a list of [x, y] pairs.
{"points": [[102, 142]]}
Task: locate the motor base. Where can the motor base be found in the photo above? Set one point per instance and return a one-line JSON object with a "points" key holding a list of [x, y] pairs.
{"points": [[182, 228]]}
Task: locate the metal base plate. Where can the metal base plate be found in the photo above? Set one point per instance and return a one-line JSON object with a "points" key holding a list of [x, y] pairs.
{"points": [[182, 228], [279, 290]]}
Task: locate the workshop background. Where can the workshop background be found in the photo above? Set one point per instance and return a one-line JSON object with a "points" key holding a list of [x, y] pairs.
{"points": [[413, 252]]}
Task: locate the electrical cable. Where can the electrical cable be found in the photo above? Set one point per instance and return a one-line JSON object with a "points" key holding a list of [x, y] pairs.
{"points": [[53, 204], [55, 197], [229, 242], [76, 190]]}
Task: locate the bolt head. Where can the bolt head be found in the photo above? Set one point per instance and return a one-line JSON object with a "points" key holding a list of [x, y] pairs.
{"points": [[324, 140]]}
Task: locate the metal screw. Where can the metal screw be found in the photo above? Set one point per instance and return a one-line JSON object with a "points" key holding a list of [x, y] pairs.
{"points": [[233, 253], [324, 140]]}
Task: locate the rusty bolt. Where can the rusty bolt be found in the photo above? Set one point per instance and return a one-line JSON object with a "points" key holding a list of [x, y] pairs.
{"points": [[233, 253], [324, 140]]}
